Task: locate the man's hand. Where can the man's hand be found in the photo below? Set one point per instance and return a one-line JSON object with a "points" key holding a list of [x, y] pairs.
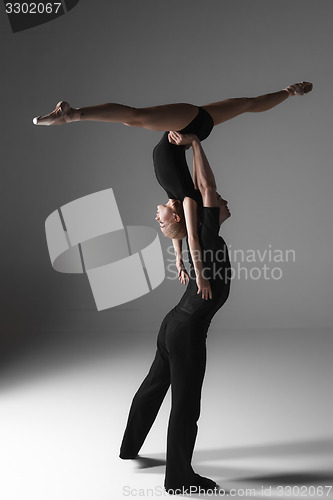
{"points": [[182, 273], [204, 288], [182, 139]]}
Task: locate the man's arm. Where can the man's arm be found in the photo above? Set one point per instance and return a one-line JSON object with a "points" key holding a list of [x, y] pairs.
{"points": [[203, 176], [195, 180], [190, 212]]}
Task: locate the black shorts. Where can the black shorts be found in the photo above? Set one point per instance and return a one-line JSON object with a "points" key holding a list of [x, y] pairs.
{"points": [[201, 125]]}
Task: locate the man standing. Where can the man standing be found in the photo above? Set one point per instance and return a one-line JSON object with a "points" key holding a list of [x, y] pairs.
{"points": [[180, 359]]}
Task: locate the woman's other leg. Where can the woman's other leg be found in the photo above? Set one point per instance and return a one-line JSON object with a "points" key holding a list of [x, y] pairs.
{"points": [[162, 118], [230, 108]]}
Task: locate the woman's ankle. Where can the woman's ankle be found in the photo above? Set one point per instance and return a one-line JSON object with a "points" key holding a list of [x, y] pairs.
{"points": [[74, 115]]}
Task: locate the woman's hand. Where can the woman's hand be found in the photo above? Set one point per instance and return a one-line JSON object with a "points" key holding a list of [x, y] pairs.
{"points": [[204, 288], [182, 139], [182, 273]]}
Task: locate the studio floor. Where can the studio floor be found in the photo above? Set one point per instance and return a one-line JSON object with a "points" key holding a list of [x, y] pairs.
{"points": [[264, 429]]}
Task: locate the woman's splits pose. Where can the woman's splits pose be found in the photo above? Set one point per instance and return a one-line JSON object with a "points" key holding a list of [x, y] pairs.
{"points": [[180, 358], [169, 116], [175, 217]]}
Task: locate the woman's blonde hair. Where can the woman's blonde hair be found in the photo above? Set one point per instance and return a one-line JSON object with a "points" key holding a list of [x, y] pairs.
{"points": [[176, 229]]}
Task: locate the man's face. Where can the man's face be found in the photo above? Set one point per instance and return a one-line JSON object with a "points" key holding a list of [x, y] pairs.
{"points": [[224, 210]]}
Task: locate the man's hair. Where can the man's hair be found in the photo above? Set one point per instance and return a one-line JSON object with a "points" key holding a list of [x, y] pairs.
{"points": [[176, 230]]}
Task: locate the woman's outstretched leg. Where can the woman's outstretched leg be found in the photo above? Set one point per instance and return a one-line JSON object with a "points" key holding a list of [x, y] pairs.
{"points": [[163, 118], [230, 108], [169, 116]]}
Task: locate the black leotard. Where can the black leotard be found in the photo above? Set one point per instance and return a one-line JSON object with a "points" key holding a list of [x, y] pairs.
{"points": [[170, 164], [173, 174]]}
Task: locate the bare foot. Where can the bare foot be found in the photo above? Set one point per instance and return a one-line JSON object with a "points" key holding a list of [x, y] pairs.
{"points": [[62, 114]]}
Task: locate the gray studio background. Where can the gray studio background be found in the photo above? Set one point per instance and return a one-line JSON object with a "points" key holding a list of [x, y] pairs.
{"points": [[69, 371], [275, 168]]}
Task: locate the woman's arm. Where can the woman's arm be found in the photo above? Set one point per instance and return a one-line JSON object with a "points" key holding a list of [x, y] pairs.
{"points": [[190, 212], [182, 273], [177, 245]]}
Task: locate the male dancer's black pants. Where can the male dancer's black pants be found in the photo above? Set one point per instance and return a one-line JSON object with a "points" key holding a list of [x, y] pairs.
{"points": [[180, 360]]}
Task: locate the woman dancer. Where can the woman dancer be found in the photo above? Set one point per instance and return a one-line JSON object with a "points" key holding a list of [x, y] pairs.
{"points": [[180, 358], [177, 217]]}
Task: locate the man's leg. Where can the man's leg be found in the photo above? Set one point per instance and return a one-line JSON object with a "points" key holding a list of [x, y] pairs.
{"points": [[147, 400], [187, 348]]}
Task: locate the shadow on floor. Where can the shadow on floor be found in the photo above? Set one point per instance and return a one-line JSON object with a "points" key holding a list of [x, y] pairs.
{"points": [[309, 477], [316, 452], [148, 463]]}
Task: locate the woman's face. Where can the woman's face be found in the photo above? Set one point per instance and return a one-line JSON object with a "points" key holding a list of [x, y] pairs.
{"points": [[164, 215], [224, 210]]}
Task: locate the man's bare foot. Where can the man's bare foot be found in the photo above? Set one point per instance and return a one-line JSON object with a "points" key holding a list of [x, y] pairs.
{"points": [[299, 88], [62, 114]]}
